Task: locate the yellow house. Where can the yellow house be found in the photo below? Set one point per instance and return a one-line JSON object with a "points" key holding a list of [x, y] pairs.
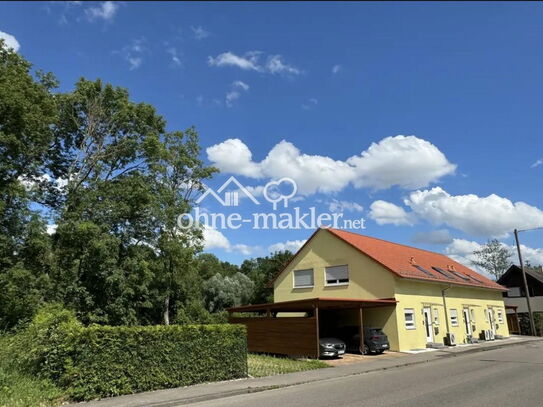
{"points": [[437, 299]]}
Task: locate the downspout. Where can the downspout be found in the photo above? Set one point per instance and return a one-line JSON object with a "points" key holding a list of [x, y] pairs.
{"points": [[445, 306]]}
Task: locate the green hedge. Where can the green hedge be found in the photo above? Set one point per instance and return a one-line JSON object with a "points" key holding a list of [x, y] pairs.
{"points": [[120, 360], [101, 361]]}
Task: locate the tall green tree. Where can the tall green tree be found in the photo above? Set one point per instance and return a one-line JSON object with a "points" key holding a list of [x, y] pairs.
{"points": [[493, 257], [27, 113], [261, 271]]}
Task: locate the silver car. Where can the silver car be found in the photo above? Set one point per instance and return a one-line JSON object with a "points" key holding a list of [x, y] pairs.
{"points": [[331, 347]]}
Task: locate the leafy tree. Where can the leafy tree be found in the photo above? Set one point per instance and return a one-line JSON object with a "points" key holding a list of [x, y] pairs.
{"points": [[209, 265], [261, 271], [493, 257], [221, 292]]}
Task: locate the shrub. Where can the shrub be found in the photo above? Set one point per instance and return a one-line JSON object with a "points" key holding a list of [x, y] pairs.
{"points": [[120, 360], [100, 361]]}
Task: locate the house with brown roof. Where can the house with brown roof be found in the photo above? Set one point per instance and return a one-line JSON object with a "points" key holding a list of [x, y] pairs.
{"points": [[419, 298]]}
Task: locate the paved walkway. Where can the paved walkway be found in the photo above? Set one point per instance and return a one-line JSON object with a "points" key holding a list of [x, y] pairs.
{"points": [[211, 391]]}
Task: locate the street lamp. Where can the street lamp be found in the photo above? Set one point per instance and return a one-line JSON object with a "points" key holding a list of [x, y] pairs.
{"points": [[530, 314]]}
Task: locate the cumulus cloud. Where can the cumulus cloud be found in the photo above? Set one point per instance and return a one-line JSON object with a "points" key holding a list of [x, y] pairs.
{"points": [[401, 161], [199, 32], [105, 11], [250, 61], [10, 41], [386, 213], [492, 216], [441, 236], [406, 161], [233, 156], [215, 239], [291, 245]]}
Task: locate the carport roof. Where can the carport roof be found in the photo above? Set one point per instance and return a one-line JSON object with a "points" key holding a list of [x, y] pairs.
{"points": [[312, 303]]}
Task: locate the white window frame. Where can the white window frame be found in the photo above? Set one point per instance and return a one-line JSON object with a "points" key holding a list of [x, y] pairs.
{"points": [[303, 286], [435, 314], [410, 325], [454, 322], [338, 283], [499, 316], [472, 315]]}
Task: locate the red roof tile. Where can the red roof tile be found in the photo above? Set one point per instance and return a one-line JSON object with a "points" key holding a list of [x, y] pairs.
{"points": [[403, 261]]}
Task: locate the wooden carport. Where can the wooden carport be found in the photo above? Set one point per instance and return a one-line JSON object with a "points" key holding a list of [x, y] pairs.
{"points": [[295, 335]]}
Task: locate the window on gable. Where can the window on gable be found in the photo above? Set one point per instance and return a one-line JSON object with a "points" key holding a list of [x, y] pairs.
{"points": [[514, 292], [409, 315], [337, 275], [303, 278], [454, 317]]}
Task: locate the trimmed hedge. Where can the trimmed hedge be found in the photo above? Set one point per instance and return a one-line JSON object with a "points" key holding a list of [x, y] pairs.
{"points": [[121, 360], [100, 361]]}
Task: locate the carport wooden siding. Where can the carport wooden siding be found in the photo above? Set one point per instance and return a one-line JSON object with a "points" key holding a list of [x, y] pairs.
{"points": [[293, 336]]}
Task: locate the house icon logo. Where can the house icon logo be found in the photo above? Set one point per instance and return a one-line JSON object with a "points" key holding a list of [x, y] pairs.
{"points": [[231, 198]]}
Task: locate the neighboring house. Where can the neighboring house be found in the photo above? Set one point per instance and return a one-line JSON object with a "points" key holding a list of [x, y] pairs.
{"points": [[515, 296], [418, 297]]}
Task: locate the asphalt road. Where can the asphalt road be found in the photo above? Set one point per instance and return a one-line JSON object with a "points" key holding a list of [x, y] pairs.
{"points": [[510, 376]]}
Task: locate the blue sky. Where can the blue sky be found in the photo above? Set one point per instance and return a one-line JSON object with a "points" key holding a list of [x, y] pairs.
{"points": [[303, 90]]}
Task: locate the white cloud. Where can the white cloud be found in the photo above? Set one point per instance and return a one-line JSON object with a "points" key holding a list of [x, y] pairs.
{"points": [[492, 216], [240, 85], [215, 239], [134, 52], [441, 236], [250, 61], [336, 69], [233, 156], [537, 163], [406, 161], [385, 213], [10, 41], [105, 11], [275, 65], [401, 161], [235, 92], [337, 206], [291, 245], [175, 58], [199, 32], [247, 62]]}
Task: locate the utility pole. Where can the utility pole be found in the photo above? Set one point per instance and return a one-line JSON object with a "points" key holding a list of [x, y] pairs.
{"points": [[527, 293]]}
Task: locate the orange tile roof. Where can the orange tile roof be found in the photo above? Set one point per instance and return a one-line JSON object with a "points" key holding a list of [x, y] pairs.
{"points": [[403, 261]]}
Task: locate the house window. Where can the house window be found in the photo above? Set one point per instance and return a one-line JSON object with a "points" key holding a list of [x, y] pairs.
{"points": [[337, 275], [303, 278], [409, 314], [436, 316], [500, 316], [513, 292], [454, 317], [472, 313]]}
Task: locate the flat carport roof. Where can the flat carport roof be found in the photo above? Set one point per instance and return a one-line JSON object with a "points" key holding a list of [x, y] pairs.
{"points": [[314, 303]]}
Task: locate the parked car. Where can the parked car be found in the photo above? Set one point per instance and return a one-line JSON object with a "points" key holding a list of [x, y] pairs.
{"points": [[375, 340], [331, 347]]}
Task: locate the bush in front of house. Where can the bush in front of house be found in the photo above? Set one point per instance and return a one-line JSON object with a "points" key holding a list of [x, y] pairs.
{"points": [[100, 361]]}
